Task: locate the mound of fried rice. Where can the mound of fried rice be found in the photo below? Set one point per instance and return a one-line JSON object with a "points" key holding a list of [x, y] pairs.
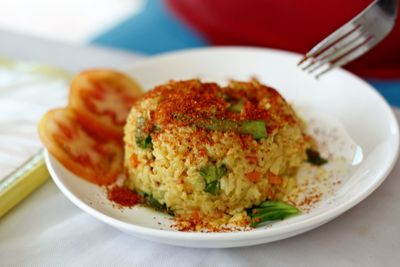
{"points": [[189, 147]]}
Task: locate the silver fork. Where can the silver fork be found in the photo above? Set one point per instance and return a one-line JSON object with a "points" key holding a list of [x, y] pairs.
{"points": [[353, 39]]}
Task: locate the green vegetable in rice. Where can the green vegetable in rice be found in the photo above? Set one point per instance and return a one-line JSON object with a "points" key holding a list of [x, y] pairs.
{"points": [[143, 140], [236, 107], [314, 157], [255, 128], [211, 175], [152, 202], [271, 211]]}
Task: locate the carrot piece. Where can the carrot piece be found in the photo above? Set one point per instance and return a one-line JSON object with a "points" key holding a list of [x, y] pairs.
{"points": [[274, 179], [253, 176], [252, 159], [135, 161]]}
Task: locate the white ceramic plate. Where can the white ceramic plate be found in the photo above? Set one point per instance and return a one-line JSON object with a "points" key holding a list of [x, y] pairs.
{"points": [[364, 114]]}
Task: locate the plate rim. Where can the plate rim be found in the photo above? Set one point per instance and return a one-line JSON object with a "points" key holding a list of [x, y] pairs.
{"points": [[295, 228]]}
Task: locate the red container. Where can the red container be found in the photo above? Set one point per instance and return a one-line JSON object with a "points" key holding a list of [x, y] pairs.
{"points": [[286, 24]]}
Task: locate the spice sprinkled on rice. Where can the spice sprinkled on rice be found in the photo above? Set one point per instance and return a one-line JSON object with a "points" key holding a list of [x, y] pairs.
{"points": [[207, 153]]}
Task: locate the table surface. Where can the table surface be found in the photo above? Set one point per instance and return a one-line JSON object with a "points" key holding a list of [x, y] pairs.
{"points": [[47, 229]]}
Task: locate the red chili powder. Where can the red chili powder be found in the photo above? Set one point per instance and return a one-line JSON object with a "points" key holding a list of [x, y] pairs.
{"points": [[123, 196]]}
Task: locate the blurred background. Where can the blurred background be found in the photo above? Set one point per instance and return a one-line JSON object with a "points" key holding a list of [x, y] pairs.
{"points": [[155, 26]]}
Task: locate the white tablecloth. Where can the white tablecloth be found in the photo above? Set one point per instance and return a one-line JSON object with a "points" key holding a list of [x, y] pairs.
{"points": [[48, 230]]}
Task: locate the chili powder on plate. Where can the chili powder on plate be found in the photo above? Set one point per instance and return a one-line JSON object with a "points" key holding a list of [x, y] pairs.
{"points": [[123, 196]]}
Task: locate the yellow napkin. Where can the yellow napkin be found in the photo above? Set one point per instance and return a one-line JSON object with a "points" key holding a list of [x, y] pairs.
{"points": [[27, 91]]}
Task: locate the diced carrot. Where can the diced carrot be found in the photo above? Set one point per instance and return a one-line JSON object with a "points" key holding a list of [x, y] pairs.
{"points": [[252, 159], [274, 179], [253, 176], [134, 160], [202, 152], [271, 194]]}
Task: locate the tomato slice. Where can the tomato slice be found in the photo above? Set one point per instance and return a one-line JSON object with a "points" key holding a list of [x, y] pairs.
{"points": [[102, 100], [97, 161]]}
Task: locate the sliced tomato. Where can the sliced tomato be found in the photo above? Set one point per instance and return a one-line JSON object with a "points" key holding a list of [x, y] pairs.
{"points": [[102, 100], [97, 161]]}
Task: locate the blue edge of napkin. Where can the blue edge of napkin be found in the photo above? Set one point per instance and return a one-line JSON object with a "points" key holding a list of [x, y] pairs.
{"points": [[154, 31]]}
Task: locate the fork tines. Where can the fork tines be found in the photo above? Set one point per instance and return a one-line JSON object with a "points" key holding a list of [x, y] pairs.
{"points": [[351, 40]]}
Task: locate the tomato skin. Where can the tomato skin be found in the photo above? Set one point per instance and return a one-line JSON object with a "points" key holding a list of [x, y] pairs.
{"points": [[102, 100], [97, 161]]}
